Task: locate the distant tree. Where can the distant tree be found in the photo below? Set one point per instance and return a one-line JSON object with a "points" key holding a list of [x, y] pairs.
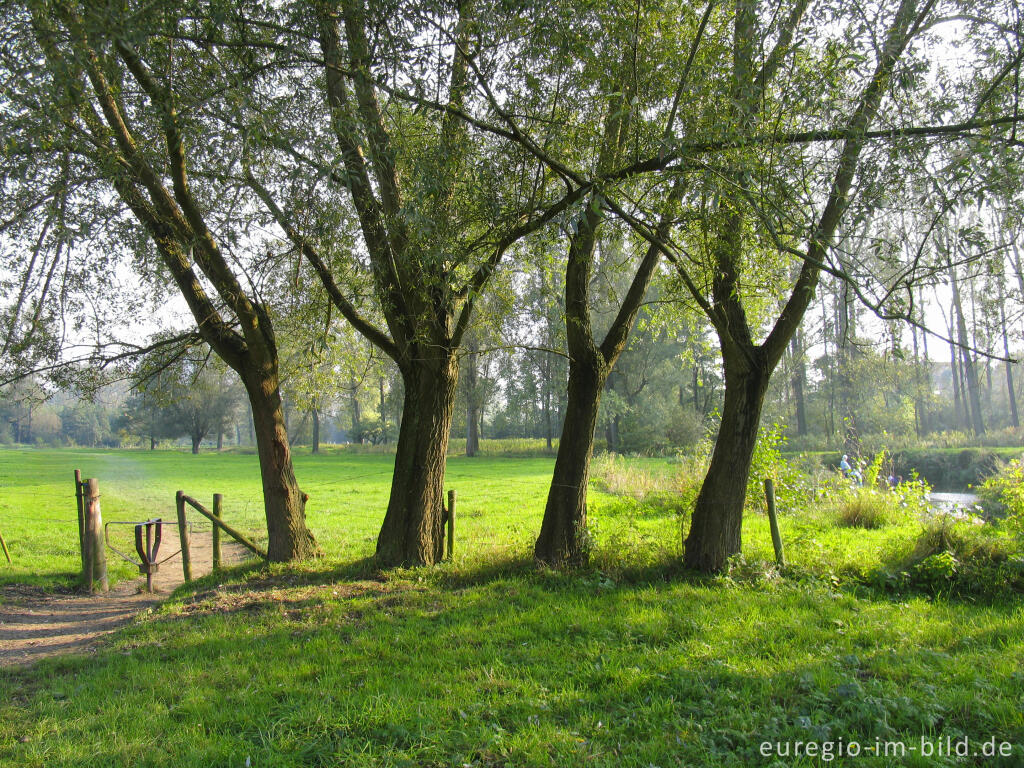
{"points": [[199, 398], [86, 423], [144, 414]]}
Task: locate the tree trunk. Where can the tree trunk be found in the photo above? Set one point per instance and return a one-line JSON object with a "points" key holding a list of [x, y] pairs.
{"points": [[383, 416], [356, 436], [969, 368], [1010, 393], [920, 427], [799, 377], [714, 534], [196, 440], [472, 421], [220, 439], [696, 389], [284, 503], [316, 428], [563, 539], [412, 533], [548, 430]]}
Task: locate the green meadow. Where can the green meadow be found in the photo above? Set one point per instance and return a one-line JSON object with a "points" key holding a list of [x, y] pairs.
{"points": [[488, 660]]}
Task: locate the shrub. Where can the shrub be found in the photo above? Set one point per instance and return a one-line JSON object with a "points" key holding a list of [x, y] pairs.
{"points": [[1003, 496], [963, 556], [869, 508]]}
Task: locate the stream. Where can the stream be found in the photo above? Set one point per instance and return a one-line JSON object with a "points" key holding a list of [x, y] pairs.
{"points": [[957, 505], [949, 500]]}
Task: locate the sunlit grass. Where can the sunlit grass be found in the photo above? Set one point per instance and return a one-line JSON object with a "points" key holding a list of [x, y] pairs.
{"points": [[489, 660]]}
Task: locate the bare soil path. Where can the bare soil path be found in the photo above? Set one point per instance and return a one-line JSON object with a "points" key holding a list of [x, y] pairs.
{"points": [[35, 624]]}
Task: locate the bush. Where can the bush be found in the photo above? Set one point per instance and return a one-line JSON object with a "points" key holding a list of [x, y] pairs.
{"points": [[963, 556], [1003, 496], [949, 470], [869, 508]]}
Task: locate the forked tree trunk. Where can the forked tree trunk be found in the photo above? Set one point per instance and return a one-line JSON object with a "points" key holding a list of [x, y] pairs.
{"points": [[563, 539], [284, 503], [412, 532], [715, 527]]}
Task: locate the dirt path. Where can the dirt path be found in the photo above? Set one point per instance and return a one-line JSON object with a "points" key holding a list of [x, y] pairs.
{"points": [[35, 624]]}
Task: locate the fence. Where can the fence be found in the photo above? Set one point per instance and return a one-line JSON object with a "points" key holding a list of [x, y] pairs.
{"points": [[94, 540]]}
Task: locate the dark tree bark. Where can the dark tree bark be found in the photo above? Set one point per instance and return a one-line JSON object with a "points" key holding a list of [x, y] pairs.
{"points": [[715, 528], [563, 539], [288, 537], [412, 531]]}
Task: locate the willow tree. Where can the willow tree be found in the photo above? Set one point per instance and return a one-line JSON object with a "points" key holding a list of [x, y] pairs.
{"points": [[105, 91], [401, 205], [774, 194], [590, 75]]}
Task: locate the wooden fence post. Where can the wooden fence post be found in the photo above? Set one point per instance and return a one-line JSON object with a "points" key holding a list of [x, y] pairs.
{"points": [[773, 521], [186, 553], [95, 544], [81, 517], [87, 552], [451, 523], [218, 501]]}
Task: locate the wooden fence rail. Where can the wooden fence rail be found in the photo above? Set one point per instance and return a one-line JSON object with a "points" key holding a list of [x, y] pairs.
{"points": [[214, 517]]}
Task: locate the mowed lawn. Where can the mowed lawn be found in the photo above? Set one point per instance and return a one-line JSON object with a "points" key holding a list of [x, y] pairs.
{"points": [[490, 661]]}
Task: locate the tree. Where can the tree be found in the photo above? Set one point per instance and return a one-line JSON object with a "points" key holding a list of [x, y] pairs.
{"points": [[592, 356], [733, 222], [112, 91], [197, 399], [436, 207]]}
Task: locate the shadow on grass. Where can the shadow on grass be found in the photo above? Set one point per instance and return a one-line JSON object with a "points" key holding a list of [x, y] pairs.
{"points": [[515, 666]]}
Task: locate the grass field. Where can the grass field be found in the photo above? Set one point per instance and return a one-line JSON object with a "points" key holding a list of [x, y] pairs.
{"points": [[499, 501], [489, 661]]}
